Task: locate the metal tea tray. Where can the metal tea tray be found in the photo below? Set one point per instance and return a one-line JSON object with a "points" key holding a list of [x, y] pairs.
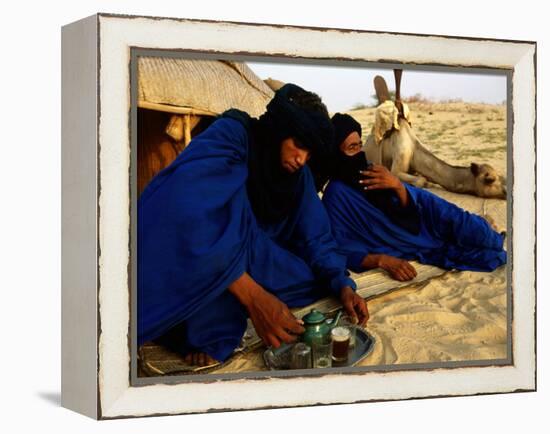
{"points": [[279, 358]]}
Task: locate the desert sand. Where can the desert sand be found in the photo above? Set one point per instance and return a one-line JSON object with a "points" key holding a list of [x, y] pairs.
{"points": [[459, 316]]}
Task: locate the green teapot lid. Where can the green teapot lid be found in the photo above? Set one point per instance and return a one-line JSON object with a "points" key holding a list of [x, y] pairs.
{"points": [[314, 317]]}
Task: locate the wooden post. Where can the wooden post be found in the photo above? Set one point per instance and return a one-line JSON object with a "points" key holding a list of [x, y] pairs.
{"points": [[397, 74], [186, 129]]}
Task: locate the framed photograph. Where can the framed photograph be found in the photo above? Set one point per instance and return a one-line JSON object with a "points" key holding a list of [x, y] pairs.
{"points": [[263, 216]]}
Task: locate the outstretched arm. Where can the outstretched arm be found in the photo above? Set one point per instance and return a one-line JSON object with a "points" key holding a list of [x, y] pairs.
{"points": [[316, 245]]}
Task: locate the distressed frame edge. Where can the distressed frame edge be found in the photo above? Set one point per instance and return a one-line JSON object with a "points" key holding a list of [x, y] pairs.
{"points": [[79, 135], [302, 27], [106, 415]]}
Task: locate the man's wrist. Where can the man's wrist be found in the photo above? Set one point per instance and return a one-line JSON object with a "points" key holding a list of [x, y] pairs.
{"points": [[245, 289], [400, 189], [346, 290], [401, 192], [380, 261], [372, 260]]}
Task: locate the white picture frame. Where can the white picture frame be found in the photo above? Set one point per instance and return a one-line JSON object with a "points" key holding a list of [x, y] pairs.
{"points": [[97, 378]]}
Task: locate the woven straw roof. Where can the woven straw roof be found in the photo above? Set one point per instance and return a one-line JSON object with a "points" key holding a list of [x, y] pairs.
{"points": [[200, 86]]}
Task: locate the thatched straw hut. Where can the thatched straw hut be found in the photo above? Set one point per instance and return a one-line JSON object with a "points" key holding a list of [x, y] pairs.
{"points": [[179, 98]]}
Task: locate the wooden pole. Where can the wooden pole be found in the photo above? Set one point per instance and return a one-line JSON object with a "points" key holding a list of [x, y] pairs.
{"points": [[186, 129], [397, 74]]}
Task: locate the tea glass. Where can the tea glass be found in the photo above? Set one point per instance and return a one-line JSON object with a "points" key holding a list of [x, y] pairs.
{"points": [[322, 353], [350, 323]]}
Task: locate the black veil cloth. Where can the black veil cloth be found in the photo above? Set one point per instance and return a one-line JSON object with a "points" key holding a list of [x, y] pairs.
{"points": [[347, 170], [272, 191]]}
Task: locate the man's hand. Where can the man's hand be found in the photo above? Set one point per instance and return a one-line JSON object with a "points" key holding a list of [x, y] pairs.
{"points": [[378, 177], [272, 319], [399, 269], [354, 305]]}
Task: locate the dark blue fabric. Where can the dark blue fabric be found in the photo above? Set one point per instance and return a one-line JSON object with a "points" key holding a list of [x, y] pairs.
{"points": [[197, 234], [449, 237]]}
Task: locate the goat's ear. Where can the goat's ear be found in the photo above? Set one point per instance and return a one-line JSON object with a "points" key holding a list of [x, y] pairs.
{"points": [[474, 168], [381, 89]]}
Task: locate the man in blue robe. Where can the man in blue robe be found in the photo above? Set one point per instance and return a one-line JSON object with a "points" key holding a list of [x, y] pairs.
{"points": [[380, 222], [234, 228]]}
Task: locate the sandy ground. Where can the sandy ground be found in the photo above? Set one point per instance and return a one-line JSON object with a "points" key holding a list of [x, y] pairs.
{"points": [[459, 316]]}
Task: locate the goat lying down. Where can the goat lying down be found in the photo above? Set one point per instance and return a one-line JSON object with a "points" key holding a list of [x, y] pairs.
{"points": [[394, 144]]}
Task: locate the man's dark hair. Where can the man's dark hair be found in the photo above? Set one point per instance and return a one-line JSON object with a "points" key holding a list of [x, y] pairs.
{"points": [[309, 101]]}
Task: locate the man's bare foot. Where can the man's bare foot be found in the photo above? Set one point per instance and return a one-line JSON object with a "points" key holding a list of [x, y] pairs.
{"points": [[199, 359], [494, 225]]}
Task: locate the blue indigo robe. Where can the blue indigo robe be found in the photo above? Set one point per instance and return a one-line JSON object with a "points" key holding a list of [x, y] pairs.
{"points": [[449, 237], [197, 234]]}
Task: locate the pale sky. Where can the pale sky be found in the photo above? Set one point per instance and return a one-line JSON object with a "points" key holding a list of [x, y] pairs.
{"points": [[341, 87]]}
